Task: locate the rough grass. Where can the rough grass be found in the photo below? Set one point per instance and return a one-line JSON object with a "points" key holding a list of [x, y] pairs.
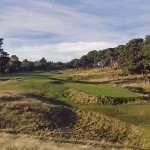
{"points": [[108, 75], [77, 96], [92, 74], [26, 142], [32, 116]]}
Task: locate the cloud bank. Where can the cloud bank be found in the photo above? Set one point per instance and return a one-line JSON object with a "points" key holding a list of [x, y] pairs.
{"points": [[65, 51], [62, 30]]}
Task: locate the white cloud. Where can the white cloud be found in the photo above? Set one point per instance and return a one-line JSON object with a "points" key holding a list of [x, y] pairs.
{"points": [[69, 23], [31, 27], [60, 52]]}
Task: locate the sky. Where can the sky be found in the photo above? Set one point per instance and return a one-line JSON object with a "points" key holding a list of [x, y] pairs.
{"points": [[61, 30]]}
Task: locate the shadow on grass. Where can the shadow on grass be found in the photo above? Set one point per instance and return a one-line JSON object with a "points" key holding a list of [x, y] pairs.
{"points": [[119, 81], [10, 98], [4, 79], [38, 74], [42, 98], [136, 89], [57, 82], [60, 117], [35, 73]]}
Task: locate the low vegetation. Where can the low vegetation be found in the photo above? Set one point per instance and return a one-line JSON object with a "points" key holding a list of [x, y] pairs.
{"points": [[85, 98], [36, 104], [27, 142], [110, 76], [31, 116]]}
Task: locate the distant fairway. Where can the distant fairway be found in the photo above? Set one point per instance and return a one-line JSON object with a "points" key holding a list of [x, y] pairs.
{"points": [[102, 90], [50, 87], [51, 84]]}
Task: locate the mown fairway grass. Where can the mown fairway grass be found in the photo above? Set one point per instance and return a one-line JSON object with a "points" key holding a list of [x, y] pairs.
{"points": [[49, 85], [137, 114], [102, 90]]}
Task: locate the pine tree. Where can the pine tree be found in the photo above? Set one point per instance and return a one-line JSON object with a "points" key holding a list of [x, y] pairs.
{"points": [[4, 58]]}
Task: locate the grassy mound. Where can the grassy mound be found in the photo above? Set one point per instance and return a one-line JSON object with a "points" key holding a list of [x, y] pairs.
{"points": [[93, 126], [85, 98], [33, 116], [27, 115]]}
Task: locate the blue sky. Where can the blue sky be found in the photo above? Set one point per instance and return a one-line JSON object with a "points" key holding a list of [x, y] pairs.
{"points": [[61, 30]]}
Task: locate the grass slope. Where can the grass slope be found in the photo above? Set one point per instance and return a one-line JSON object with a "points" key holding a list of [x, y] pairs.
{"points": [[137, 114], [32, 116]]}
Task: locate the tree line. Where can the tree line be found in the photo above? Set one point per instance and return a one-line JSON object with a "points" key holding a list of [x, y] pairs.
{"points": [[133, 57], [15, 65]]}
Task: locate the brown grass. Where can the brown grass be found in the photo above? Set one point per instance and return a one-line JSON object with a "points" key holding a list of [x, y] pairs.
{"points": [[26, 142], [29, 116], [78, 97], [95, 74]]}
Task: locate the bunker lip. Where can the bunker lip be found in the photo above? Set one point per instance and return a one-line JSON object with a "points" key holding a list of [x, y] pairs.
{"points": [[77, 96]]}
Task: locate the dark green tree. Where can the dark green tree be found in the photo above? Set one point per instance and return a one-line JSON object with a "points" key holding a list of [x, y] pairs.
{"points": [[43, 64], [76, 64], [84, 62], [130, 55], [91, 56], [4, 58], [26, 65], [14, 64], [145, 59]]}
